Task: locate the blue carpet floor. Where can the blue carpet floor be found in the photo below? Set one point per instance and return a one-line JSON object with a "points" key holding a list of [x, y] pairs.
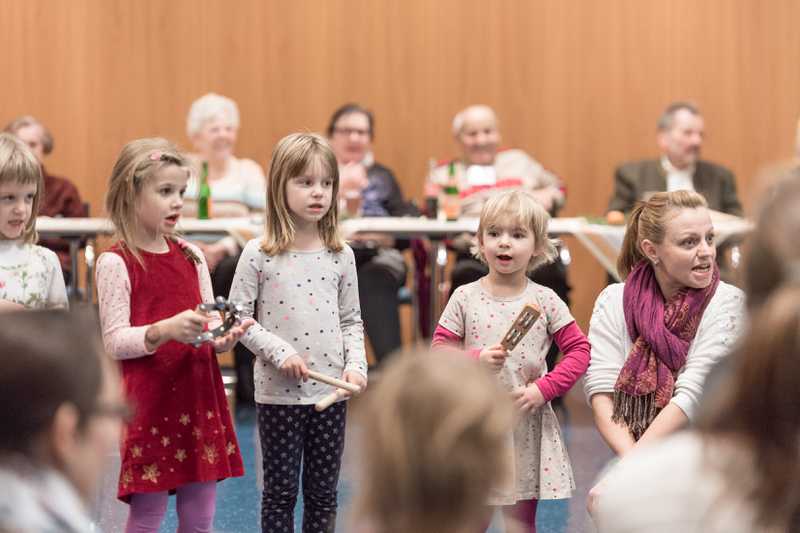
{"points": [[238, 500]]}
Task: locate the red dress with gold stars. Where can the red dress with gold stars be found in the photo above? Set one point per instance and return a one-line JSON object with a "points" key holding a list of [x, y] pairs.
{"points": [[182, 430]]}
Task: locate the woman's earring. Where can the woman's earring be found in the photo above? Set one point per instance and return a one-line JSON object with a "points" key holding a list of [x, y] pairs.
{"points": [[655, 261]]}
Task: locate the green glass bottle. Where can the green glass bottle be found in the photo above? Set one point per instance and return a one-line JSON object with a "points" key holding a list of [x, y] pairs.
{"points": [[452, 200], [204, 195]]}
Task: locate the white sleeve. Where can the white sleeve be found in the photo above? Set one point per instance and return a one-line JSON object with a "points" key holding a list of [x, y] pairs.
{"points": [[245, 291], [56, 291], [120, 339], [255, 193], [607, 332], [719, 328], [355, 358]]}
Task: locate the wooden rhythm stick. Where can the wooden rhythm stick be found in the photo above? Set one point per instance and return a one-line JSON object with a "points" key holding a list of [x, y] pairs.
{"points": [[523, 323], [355, 389], [331, 399]]}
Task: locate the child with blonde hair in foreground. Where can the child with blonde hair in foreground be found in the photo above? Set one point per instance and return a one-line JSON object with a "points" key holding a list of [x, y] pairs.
{"points": [[435, 443]]}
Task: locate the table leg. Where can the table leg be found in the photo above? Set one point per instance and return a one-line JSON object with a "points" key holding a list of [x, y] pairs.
{"points": [[437, 259], [74, 248], [88, 255]]}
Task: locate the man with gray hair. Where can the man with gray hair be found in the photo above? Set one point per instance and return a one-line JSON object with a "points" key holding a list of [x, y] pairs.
{"points": [[680, 138], [484, 169]]}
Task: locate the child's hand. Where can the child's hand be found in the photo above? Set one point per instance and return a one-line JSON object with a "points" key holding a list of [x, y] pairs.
{"points": [[494, 357], [229, 340], [295, 367], [185, 326], [356, 379], [528, 398]]}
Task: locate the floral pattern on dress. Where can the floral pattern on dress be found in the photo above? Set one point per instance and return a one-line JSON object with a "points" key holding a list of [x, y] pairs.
{"points": [[31, 276]]}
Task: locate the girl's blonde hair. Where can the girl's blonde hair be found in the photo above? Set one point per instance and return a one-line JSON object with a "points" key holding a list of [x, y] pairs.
{"points": [[19, 165], [138, 161], [435, 443], [518, 208], [648, 220], [292, 156]]}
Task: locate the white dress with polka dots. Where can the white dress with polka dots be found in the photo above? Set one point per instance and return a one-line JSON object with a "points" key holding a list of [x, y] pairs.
{"points": [[541, 467]]}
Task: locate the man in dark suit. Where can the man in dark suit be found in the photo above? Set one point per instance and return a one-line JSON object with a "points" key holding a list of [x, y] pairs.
{"points": [[680, 137]]}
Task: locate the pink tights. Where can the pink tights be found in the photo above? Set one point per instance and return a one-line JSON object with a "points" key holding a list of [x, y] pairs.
{"points": [[522, 513], [196, 504]]}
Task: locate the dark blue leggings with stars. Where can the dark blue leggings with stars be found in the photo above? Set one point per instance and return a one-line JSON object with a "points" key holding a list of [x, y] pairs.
{"points": [[288, 434]]}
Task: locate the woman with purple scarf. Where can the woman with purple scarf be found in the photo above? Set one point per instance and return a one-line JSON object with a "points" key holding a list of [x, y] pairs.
{"points": [[655, 336], [736, 471]]}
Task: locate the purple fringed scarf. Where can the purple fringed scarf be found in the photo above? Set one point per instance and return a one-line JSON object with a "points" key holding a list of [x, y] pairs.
{"points": [[661, 333]]}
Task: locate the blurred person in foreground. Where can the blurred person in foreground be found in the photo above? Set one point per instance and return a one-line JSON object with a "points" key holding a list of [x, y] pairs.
{"points": [[435, 444], [61, 413]]}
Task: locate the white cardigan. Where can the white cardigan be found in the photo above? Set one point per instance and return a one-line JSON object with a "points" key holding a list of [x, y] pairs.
{"points": [[719, 328]]}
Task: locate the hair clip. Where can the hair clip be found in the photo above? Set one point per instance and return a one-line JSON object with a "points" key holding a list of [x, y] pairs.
{"points": [[155, 155]]}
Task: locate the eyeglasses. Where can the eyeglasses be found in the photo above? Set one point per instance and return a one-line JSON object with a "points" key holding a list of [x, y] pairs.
{"points": [[349, 131]]}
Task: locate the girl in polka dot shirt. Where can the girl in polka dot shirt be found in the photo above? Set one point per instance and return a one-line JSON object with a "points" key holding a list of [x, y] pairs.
{"points": [[512, 239], [299, 281]]}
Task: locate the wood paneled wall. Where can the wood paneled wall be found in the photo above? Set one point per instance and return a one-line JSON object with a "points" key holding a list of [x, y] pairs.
{"points": [[577, 84]]}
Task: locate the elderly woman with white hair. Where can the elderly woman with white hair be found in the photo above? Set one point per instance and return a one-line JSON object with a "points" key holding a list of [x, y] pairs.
{"points": [[238, 188], [237, 185]]}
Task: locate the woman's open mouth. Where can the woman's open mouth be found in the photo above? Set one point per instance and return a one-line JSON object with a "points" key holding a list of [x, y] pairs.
{"points": [[702, 269]]}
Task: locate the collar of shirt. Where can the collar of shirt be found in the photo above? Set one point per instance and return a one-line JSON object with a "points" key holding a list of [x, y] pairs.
{"points": [[677, 179]]}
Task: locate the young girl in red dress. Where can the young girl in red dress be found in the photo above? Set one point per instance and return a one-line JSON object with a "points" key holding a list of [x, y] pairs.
{"points": [[181, 439]]}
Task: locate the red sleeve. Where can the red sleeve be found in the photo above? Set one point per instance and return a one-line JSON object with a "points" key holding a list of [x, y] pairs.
{"points": [[576, 349], [444, 338]]}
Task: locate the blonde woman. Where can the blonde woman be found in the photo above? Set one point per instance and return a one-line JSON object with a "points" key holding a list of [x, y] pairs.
{"points": [[656, 336], [736, 471]]}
